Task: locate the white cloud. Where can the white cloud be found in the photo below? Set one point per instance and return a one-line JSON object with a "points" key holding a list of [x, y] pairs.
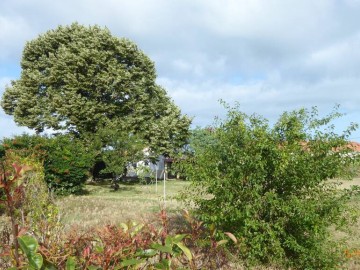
{"points": [[338, 59], [263, 97], [13, 32], [270, 55]]}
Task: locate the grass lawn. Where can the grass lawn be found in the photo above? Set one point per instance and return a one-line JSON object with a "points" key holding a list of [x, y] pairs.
{"points": [[103, 205]]}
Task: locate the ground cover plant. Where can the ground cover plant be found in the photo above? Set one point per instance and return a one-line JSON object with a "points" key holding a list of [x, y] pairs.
{"points": [[269, 186]]}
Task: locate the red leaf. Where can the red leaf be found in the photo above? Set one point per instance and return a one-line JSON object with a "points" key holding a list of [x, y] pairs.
{"points": [[86, 252], [17, 168]]}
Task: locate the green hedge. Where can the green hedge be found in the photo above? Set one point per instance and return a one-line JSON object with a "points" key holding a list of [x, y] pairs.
{"points": [[66, 160], [67, 164]]}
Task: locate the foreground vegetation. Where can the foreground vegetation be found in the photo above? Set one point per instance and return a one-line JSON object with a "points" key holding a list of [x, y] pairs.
{"points": [[140, 203], [90, 215], [37, 239]]}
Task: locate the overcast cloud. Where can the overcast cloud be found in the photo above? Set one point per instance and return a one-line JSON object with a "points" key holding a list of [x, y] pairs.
{"points": [[269, 55]]}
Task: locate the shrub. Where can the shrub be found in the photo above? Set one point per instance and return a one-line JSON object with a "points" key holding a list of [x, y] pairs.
{"points": [[268, 185], [25, 199], [66, 160], [127, 246], [67, 164]]}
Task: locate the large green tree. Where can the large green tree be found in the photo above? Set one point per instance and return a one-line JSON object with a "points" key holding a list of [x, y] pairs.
{"points": [[78, 79]]}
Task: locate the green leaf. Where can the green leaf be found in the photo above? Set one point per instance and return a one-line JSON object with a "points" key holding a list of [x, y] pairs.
{"points": [[70, 263], [124, 227], [178, 238], [99, 249], [169, 241], [163, 264], [36, 261], [167, 249], [146, 253], [129, 262], [48, 266], [28, 244], [136, 229], [186, 250]]}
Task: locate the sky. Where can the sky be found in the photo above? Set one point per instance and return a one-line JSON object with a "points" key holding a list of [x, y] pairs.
{"points": [[270, 56]]}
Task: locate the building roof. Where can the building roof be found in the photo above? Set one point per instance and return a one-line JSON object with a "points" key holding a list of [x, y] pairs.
{"points": [[354, 146]]}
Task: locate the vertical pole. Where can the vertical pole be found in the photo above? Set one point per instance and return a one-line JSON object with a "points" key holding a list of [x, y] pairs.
{"points": [[156, 170], [164, 184]]}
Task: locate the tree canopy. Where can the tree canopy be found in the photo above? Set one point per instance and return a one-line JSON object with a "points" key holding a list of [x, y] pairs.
{"points": [[78, 79]]}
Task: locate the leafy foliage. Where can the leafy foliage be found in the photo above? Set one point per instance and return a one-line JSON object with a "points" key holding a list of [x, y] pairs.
{"points": [[198, 140], [268, 185], [67, 164], [66, 160], [30, 247], [120, 148], [26, 201], [68, 70], [78, 79], [127, 246], [12, 189]]}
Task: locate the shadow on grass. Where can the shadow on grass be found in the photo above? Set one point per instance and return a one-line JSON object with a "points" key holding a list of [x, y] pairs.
{"points": [[125, 188], [82, 192], [99, 183], [107, 186]]}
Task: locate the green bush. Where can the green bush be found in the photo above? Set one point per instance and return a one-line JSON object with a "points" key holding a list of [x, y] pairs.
{"points": [[66, 160], [268, 185], [26, 145], [67, 164]]}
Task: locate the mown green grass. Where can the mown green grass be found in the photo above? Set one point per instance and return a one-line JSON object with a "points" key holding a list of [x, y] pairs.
{"points": [[102, 205]]}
